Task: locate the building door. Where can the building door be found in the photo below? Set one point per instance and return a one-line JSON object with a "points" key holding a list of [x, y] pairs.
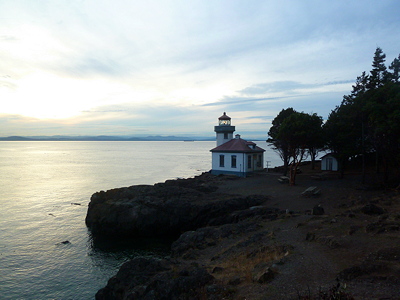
{"points": [[249, 162], [329, 163]]}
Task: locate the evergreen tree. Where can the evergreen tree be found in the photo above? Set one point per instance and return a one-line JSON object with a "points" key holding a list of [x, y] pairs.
{"points": [[395, 67], [343, 133], [383, 113], [368, 120], [359, 88], [379, 71]]}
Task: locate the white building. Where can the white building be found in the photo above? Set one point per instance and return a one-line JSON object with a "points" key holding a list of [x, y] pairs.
{"points": [[234, 155], [329, 163]]}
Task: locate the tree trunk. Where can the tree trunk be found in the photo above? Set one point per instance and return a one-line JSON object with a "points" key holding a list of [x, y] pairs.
{"points": [[293, 172], [363, 150], [377, 169], [313, 156], [285, 167], [292, 175], [341, 167], [385, 170]]}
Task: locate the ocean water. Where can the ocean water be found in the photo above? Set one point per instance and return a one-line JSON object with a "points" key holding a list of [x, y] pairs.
{"points": [[45, 188]]}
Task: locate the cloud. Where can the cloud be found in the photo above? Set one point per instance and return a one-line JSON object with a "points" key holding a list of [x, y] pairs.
{"points": [[287, 86], [116, 66], [272, 87], [280, 91], [8, 38], [92, 65]]}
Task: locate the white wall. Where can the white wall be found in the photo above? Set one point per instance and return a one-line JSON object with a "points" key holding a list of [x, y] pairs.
{"points": [[227, 167], [241, 162], [325, 164]]}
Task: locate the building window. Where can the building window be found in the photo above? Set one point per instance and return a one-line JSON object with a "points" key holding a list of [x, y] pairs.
{"points": [[249, 161], [225, 136], [233, 161], [222, 160]]}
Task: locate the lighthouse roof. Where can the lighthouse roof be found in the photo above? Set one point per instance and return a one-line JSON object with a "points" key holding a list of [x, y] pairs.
{"points": [[224, 117], [238, 145]]}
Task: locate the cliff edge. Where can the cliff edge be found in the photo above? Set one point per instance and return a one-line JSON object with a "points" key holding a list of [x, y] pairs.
{"points": [[165, 209], [256, 238]]}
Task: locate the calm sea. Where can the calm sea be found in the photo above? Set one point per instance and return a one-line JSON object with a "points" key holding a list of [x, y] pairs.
{"points": [[45, 188]]}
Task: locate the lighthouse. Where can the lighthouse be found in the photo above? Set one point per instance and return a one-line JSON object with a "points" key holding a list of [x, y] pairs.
{"points": [[234, 156], [224, 130]]}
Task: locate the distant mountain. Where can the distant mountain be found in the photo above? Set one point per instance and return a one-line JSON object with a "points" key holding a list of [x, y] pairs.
{"points": [[15, 138], [105, 138]]}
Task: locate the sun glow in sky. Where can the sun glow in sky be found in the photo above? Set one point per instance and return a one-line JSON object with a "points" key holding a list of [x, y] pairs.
{"points": [[83, 67]]}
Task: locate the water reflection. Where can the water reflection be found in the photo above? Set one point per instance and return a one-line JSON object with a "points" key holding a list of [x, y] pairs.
{"points": [[42, 179]]}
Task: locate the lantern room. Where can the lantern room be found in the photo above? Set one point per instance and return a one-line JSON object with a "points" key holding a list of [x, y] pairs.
{"points": [[224, 130], [224, 120]]}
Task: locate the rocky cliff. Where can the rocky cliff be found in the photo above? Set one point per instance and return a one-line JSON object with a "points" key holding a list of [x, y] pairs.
{"points": [[341, 244], [165, 209]]}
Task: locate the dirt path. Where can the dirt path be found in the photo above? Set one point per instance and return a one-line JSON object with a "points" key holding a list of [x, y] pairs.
{"points": [[310, 262], [323, 246]]}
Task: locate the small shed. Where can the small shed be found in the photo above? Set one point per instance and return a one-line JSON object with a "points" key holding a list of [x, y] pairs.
{"points": [[329, 162]]}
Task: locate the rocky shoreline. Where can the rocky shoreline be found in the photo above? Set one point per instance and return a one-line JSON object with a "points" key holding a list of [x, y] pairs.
{"points": [[167, 209], [253, 238]]}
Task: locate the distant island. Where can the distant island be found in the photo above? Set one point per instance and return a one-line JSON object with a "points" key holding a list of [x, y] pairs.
{"points": [[116, 138], [105, 138]]}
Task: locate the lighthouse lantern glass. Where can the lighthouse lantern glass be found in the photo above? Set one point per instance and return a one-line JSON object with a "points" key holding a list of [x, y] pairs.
{"points": [[224, 122]]}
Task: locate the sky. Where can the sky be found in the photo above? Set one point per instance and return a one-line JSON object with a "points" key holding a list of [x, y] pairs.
{"points": [[127, 67]]}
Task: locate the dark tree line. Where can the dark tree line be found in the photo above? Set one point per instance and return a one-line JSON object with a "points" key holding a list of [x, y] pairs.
{"points": [[366, 124]]}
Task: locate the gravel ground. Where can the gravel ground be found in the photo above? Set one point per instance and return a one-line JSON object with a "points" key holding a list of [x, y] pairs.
{"points": [[322, 246]]}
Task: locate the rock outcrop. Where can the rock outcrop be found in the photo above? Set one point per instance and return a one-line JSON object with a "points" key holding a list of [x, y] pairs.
{"points": [[235, 247], [152, 278], [192, 208], [166, 209]]}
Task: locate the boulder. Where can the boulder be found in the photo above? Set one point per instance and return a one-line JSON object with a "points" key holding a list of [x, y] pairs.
{"points": [[372, 209], [383, 226], [318, 210], [263, 273], [217, 270], [236, 280]]}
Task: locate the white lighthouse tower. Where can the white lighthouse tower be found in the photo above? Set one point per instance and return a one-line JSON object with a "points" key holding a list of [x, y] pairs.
{"points": [[224, 130]]}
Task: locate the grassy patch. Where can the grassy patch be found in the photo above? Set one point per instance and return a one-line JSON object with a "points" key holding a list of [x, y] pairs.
{"points": [[242, 264]]}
